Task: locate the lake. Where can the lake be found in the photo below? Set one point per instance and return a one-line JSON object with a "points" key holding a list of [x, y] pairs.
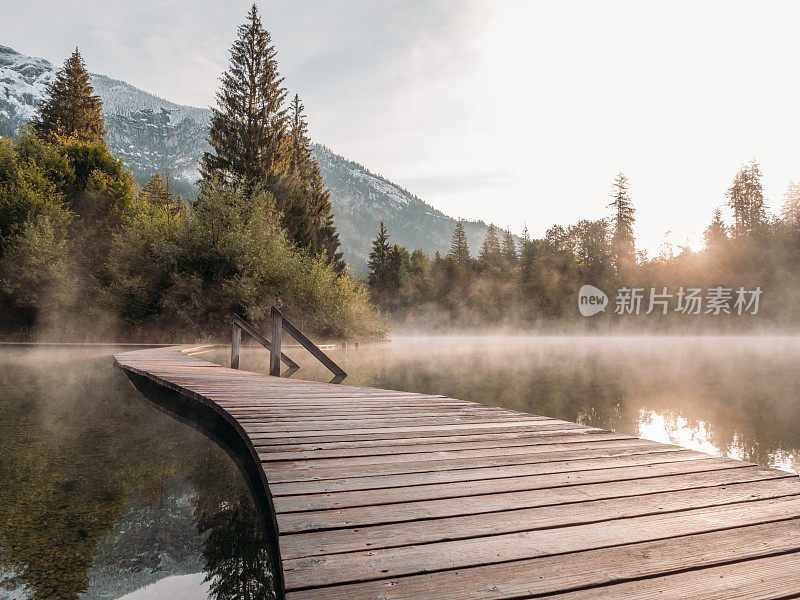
{"points": [[105, 497], [729, 396]]}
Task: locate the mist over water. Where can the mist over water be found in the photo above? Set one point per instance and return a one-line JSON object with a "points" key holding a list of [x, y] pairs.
{"points": [[105, 497], [730, 396]]}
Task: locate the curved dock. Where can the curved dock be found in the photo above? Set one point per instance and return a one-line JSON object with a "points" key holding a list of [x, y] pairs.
{"points": [[378, 494]]}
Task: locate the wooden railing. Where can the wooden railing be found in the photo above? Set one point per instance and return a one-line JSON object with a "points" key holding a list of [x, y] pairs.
{"points": [[276, 356]]}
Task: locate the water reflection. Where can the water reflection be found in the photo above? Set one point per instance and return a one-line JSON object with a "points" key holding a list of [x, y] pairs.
{"points": [[731, 396], [104, 497]]}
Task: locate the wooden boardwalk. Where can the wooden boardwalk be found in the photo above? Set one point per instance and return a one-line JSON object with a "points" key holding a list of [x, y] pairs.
{"points": [[390, 495]]}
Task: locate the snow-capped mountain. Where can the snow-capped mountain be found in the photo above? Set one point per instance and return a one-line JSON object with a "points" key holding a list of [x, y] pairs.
{"points": [[151, 134], [23, 83]]}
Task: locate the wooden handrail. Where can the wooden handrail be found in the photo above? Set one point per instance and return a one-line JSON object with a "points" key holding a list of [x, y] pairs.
{"points": [[239, 325], [276, 356], [280, 323]]}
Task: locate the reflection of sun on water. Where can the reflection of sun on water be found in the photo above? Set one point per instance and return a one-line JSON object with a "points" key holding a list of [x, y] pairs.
{"points": [[784, 461], [655, 426]]}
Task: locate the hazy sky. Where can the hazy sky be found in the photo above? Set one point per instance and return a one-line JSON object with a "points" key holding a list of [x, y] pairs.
{"points": [[508, 111]]}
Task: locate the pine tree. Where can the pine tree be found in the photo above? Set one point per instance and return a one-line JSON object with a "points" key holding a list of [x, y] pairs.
{"points": [[156, 191], [398, 264], [590, 245], [746, 198], [459, 249], [509, 248], [715, 234], [303, 166], [248, 126], [790, 211], [72, 111], [490, 249], [299, 144], [322, 214], [379, 260], [622, 219]]}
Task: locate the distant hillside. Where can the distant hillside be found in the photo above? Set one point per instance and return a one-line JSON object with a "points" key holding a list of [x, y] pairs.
{"points": [[362, 199], [151, 134]]}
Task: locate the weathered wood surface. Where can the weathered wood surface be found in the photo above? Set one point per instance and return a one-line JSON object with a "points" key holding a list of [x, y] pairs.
{"points": [[392, 495]]}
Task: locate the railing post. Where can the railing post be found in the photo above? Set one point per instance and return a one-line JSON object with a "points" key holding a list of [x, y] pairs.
{"points": [[235, 341], [275, 349]]}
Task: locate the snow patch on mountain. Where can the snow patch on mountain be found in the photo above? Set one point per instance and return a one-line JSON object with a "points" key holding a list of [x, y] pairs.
{"points": [[23, 84]]}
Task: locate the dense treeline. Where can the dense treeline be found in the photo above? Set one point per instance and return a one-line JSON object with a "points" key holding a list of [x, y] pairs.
{"points": [[83, 252], [537, 281]]}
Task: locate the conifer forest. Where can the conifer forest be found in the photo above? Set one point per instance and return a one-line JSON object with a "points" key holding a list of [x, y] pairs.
{"points": [[87, 250]]}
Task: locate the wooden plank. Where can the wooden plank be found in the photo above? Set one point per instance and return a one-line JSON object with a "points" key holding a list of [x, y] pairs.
{"points": [[396, 452], [399, 416], [336, 500], [403, 444], [480, 474], [318, 413], [527, 519], [412, 437], [359, 516], [294, 462], [758, 579], [309, 430], [262, 425], [589, 569], [284, 473], [335, 569]]}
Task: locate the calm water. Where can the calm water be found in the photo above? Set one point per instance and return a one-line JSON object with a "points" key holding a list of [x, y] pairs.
{"points": [[735, 396], [104, 497]]}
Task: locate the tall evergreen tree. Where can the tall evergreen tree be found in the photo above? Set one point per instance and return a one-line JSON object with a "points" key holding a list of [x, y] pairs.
{"points": [[459, 249], [156, 191], [379, 260], [304, 167], [398, 265], [509, 248], [589, 241], [715, 234], [299, 144], [327, 236], [790, 211], [248, 126], [491, 251], [73, 110], [622, 219], [746, 198]]}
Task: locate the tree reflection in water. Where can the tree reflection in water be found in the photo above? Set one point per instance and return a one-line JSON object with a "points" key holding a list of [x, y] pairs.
{"points": [[101, 494], [235, 550]]}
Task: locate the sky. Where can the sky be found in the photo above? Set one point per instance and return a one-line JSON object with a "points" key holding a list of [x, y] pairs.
{"points": [[517, 112]]}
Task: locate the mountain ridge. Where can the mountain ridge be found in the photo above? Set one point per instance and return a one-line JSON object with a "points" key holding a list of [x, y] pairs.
{"points": [[151, 133]]}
